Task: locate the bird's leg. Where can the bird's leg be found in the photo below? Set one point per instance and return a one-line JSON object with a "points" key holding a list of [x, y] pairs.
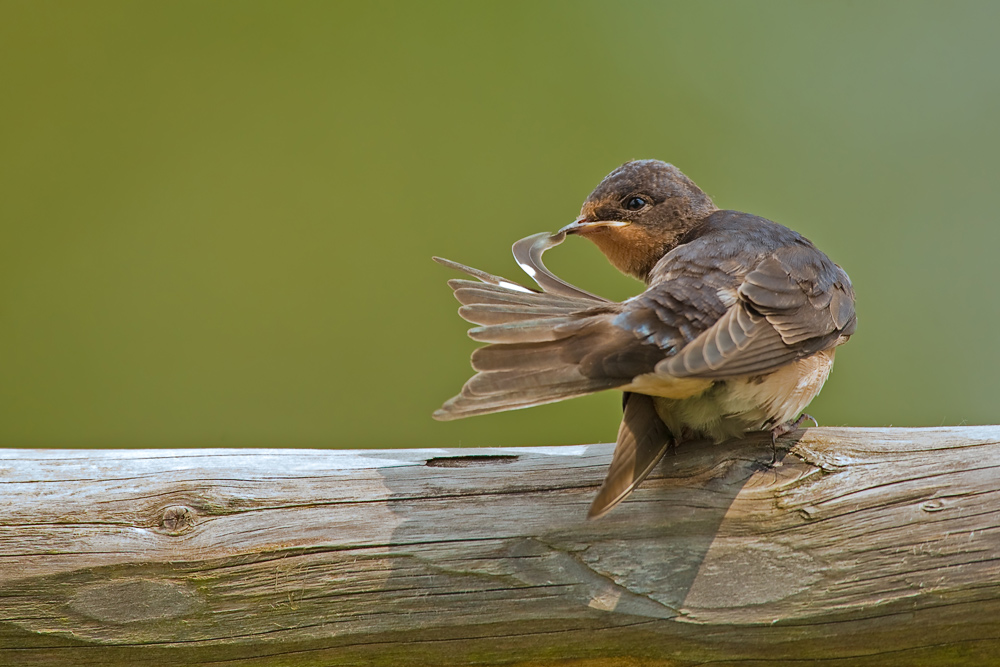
{"points": [[787, 427]]}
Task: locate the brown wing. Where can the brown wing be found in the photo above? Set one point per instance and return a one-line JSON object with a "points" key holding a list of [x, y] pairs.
{"points": [[792, 304]]}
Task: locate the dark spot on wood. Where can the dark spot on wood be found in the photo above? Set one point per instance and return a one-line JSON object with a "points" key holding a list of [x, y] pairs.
{"points": [[134, 600], [469, 461], [177, 518]]}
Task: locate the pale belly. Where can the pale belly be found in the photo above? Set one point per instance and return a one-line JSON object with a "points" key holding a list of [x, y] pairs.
{"points": [[730, 408]]}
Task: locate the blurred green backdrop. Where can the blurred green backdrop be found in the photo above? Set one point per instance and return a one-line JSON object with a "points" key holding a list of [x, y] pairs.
{"points": [[217, 218]]}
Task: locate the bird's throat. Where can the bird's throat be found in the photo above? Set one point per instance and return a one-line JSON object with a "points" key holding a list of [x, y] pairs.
{"points": [[632, 250]]}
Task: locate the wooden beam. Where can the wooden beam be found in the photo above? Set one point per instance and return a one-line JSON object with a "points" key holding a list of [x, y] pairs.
{"points": [[858, 547]]}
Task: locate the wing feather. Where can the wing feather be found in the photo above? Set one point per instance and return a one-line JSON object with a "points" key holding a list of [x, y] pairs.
{"points": [[791, 302]]}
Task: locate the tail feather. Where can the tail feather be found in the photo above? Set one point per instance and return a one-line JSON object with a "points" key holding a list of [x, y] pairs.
{"points": [[487, 278], [463, 405], [529, 331], [528, 254], [537, 343], [525, 381], [499, 296], [643, 439], [489, 314], [516, 356]]}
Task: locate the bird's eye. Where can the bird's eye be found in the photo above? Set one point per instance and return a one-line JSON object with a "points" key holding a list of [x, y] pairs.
{"points": [[635, 203]]}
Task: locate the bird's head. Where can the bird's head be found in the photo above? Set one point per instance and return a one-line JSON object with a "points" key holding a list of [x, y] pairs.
{"points": [[638, 213]]}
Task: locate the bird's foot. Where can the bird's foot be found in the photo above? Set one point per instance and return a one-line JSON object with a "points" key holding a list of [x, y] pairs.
{"points": [[784, 428], [789, 426]]}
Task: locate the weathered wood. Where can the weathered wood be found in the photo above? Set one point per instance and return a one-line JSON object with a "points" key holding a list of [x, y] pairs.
{"points": [[860, 547]]}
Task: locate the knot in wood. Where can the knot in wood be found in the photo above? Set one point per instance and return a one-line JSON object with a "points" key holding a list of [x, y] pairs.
{"points": [[177, 518]]}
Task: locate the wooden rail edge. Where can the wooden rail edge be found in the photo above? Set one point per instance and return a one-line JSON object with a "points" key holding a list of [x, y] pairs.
{"points": [[858, 546]]}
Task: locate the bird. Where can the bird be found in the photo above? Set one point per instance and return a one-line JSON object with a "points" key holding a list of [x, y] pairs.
{"points": [[734, 333]]}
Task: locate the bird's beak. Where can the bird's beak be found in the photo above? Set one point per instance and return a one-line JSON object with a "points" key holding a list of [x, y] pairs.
{"points": [[581, 225]]}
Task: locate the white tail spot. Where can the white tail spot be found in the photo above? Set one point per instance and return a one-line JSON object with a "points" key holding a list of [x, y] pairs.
{"points": [[516, 288]]}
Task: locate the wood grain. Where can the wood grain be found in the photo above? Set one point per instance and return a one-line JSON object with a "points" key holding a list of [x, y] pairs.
{"points": [[858, 547]]}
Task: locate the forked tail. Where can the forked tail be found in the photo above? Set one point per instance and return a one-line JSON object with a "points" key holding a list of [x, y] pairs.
{"points": [[538, 345]]}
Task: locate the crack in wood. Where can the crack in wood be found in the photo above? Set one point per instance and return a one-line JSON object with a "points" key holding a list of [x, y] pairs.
{"points": [[470, 460]]}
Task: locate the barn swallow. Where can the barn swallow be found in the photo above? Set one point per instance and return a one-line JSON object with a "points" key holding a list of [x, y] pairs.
{"points": [[735, 332]]}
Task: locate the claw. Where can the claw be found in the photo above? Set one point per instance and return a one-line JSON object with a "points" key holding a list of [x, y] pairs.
{"points": [[803, 417]]}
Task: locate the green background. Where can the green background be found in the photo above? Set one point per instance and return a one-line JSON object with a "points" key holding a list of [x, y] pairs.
{"points": [[217, 218]]}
